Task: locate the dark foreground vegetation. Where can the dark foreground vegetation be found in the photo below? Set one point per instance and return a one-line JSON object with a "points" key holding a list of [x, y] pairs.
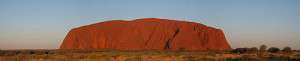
{"points": [[239, 54]]}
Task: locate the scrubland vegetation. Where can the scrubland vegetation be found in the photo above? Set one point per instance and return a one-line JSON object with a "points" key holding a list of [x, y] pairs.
{"points": [[239, 54]]}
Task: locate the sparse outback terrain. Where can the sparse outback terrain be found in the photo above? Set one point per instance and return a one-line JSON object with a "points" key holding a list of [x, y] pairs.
{"points": [[147, 55]]}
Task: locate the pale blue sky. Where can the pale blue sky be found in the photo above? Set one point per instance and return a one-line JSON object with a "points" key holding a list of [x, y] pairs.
{"points": [[42, 24]]}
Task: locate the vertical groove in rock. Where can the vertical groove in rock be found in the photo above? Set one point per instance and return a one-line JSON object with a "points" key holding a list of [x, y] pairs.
{"points": [[146, 42], [168, 46]]}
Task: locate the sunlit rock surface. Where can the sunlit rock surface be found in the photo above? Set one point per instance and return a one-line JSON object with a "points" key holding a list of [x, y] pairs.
{"points": [[146, 34]]}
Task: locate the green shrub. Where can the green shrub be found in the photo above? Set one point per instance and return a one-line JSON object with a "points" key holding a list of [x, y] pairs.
{"points": [[273, 50], [240, 50], [287, 49]]}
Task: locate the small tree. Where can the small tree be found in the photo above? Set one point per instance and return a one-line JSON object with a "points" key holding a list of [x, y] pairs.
{"points": [[287, 49], [273, 50], [262, 48], [262, 51]]}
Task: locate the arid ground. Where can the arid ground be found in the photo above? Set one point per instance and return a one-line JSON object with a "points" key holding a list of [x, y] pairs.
{"points": [[147, 55]]}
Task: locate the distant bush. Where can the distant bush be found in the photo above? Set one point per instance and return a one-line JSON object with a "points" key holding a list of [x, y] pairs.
{"points": [[245, 50], [1, 52], [240, 50], [253, 50], [46, 52], [287, 49], [273, 50], [31, 52]]}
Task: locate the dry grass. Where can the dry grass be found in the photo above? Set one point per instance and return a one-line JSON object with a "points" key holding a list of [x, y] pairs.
{"points": [[148, 55]]}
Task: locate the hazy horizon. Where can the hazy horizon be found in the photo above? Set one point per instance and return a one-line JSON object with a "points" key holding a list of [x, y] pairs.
{"points": [[43, 24]]}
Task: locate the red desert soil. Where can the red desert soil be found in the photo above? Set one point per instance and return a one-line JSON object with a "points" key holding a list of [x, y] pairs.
{"points": [[146, 34]]}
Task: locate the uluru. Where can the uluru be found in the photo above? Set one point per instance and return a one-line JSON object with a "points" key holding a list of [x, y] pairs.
{"points": [[146, 34]]}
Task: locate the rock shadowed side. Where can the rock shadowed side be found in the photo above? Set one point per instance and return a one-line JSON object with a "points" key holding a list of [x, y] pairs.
{"points": [[146, 34]]}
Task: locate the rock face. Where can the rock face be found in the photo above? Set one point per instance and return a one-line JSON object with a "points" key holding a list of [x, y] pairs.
{"points": [[146, 34]]}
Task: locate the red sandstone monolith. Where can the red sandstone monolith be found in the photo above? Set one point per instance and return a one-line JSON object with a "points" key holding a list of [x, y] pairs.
{"points": [[146, 34]]}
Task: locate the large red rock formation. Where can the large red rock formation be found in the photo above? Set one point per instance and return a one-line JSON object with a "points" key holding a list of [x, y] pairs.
{"points": [[147, 33]]}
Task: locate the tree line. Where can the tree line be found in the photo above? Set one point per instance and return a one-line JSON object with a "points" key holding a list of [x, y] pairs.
{"points": [[262, 49]]}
